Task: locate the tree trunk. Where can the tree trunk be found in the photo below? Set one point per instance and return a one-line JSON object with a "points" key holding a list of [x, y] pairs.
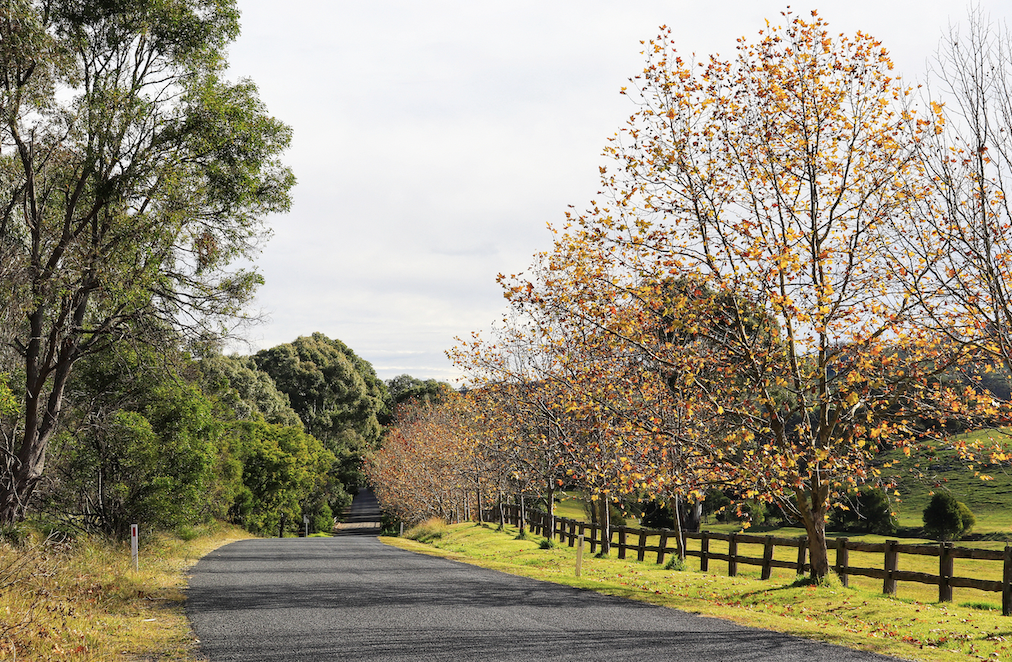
{"points": [[605, 520], [679, 533], [523, 514], [477, 483], [551, 511], [813, 504], [24, 470]]}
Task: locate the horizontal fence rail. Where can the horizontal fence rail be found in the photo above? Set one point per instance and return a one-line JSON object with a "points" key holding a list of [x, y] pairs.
{"points": [[628, 538]]}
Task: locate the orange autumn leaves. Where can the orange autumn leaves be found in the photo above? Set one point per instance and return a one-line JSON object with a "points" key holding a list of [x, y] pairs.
{"points": [[745, 309]]}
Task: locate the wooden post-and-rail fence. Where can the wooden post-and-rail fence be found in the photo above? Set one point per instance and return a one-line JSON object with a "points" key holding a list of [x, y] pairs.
{"points": [[628, 538]]}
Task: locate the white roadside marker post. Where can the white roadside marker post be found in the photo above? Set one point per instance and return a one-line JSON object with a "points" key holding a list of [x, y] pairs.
{"points": [[133, 545], [579, 554]]}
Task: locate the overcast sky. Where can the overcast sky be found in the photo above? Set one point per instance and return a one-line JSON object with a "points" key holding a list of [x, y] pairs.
{"points": [[434, 140]]}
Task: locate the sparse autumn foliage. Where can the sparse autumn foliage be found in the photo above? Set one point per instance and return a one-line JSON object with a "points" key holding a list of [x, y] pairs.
{"points": [[744, 310], [734, 315], [421, 469]]}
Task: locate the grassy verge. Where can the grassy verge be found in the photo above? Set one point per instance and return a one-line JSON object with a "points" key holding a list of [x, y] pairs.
{"points": [[858, 617], [82, 600]]}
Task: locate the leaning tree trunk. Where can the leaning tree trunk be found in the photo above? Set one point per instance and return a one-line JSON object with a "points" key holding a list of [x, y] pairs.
{"points": [[23, 470]]}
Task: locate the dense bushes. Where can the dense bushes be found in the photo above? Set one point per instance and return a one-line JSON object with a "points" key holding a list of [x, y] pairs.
{"points": [[866, 511], [170, 442]]}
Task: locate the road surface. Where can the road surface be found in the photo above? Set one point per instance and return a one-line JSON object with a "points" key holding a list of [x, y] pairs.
{"points": [[353, 598]]}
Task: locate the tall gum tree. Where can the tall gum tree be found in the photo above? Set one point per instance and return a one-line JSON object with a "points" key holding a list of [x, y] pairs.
{"points": [[132, 176], [774, 181]]}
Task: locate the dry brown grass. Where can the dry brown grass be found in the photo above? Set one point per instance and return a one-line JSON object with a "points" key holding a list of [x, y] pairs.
{"points": [[82, 600]]}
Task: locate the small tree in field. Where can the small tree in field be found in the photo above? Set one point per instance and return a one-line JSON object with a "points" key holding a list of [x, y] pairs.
{"points": [[946, 519]]}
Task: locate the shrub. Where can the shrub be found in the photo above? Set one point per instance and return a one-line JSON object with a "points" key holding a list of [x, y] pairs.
{"points": [[547, 543], [323, 520], [946, 519], [868, 511], [427, 531], [675, 563]]}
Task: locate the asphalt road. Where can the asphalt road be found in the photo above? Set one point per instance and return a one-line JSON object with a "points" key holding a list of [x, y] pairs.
{"points": [[353, 598], [362, 517]]}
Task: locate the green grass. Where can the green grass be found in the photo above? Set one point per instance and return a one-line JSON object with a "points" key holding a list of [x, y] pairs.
{"points": [[571, 506], [427, 531], [912, 626], [937, 466]]}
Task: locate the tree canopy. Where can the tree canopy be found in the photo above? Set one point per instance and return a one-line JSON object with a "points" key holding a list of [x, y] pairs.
{"points": [[335, 392], [133, 176], [736, 312]]}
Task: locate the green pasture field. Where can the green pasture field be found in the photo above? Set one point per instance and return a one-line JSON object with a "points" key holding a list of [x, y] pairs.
{"points": [[911, 625], [938, 466]]}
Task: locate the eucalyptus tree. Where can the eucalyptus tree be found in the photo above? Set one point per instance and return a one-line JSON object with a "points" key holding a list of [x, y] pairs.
{"points": [[335, 392], [132, 175]]}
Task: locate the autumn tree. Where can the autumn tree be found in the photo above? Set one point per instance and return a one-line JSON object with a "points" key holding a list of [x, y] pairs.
{"points": [[774, 183], [134, 176], [625, 380], [521, 408], [421, 468]]}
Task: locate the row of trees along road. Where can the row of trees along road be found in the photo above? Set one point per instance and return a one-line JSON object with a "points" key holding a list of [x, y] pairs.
{"points": [[799, 261]]}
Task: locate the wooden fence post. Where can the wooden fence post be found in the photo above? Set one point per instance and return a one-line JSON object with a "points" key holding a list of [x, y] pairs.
{"points": [[767, 558], [842, 560], [704, 556], [889, 583], [1006, 579], [661, 547], [802, 553], [945, 567], [732, 553], [572, 532], [641, 551], [621, 542], [593, 537]]}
